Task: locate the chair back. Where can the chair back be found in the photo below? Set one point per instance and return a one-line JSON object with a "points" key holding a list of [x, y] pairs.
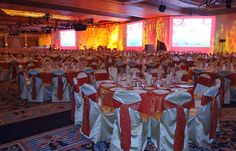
{"points": [[126, 97], [101, 75]]}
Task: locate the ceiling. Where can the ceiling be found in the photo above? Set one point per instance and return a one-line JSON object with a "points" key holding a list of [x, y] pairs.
{"points": [[101, 11]]}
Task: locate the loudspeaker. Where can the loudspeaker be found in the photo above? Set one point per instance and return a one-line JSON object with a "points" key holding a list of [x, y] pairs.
{"points": [[162, 8], [80, 27]]}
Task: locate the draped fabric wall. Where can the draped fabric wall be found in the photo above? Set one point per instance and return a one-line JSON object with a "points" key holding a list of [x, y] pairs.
{"points": [[45, 40], [111, 36], [156, 29], [225, 29], [16, 42], [32, 41], [114, 36]]}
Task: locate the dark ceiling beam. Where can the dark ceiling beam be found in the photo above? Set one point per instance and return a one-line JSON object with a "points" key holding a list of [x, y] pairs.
{"points": [[66, 8]]}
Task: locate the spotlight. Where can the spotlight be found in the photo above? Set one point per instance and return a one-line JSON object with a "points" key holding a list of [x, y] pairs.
{"points": [[162, 8], [228, 3]]}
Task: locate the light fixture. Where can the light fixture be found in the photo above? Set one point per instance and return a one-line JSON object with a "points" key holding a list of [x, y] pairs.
{"points": [[208, 3], [228, 3], [22, 13], [162, 7]]}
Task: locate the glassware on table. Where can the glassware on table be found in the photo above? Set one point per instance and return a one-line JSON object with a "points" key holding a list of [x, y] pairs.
{"points": [[158, 82]]}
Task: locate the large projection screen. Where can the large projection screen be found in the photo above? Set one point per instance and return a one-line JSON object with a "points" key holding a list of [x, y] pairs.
{"points": [[68, 39], [194, 34], [134, 36]]}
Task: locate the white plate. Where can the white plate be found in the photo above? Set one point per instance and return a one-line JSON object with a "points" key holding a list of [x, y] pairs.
{"points": [[136, 88], [149, 88], [161, 91], [162, 87], [108, 81], [185, 86], [117, 88], [108, 85], [178, 89], [140, 91]]}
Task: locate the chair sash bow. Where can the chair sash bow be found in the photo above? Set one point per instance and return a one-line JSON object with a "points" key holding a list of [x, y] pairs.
{"points": [[125, 124], [214, 113], [33, 86], [101, 76], [180, 123], [86, 126]]}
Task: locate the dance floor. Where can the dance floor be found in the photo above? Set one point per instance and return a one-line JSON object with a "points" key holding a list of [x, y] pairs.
{"points": [[13, 109], [68, 137]]}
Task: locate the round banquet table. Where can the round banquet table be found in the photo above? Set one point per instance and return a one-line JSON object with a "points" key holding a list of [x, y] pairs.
{"points": [[152, 97]]}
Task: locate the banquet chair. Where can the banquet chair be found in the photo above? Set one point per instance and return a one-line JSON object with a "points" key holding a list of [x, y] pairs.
{"points": [[88, 70], [113, 73], [180, 74], [13, 69], [94, 65], [21, 80], [154, 72], [129, 131], [203, 122], [77, 99], [23, 83], [121, 68], [232, 86], [202, 84], [100, 75], [96, 125], [228, 81], [5, 72], [60, 87], [182, 66], [135, 72], [36, 87], [173, 122]]}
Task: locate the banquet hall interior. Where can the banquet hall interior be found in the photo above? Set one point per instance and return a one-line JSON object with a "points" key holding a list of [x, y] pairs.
{"points": [[118, 75]]}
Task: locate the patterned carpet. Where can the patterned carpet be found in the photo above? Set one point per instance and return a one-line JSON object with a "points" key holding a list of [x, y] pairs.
{"points": [[13, 109], [70, 139]]}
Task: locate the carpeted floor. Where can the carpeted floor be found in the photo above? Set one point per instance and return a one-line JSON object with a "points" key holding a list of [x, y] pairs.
{"points": [[13, 109], [70, 139], [39, 131], [21, 118]]}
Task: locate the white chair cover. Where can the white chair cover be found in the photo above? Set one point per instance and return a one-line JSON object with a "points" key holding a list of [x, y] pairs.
{"points": [[134, 71], [227, 85], [201, 88], [168, 123], [200, 124], [137, 129], [36, 90], [78, 99], [100, 125], [64, 95], [180, 74], [113, 73], [99, 76], [22, 83]]}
